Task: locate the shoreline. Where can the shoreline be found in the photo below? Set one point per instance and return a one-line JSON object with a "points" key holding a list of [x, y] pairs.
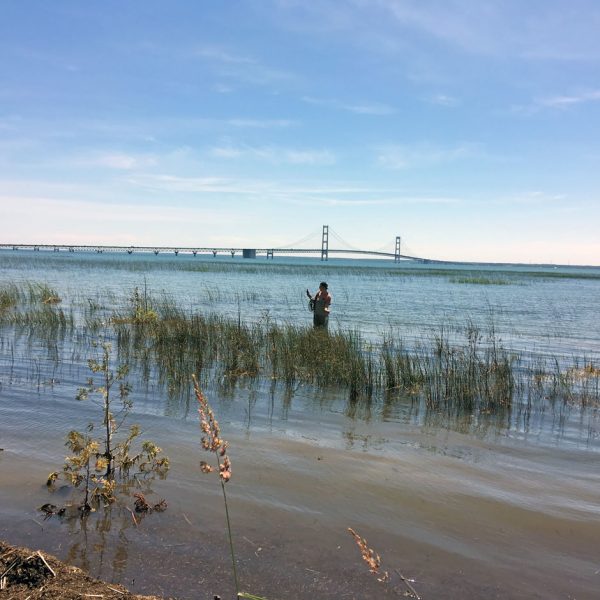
{"points": [[32, 574]]}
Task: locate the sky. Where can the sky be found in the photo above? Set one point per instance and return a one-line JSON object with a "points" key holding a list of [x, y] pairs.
{"points": [[470, 129]]}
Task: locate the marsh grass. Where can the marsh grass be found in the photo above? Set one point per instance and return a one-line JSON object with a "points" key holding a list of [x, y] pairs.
{"points": [[475, 372], [481, 281], [9, 297], [35, 307], [577, 384], [466, 369]]}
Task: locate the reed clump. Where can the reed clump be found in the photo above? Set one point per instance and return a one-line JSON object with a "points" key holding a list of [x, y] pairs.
{"points": [[475, 371], [577, 384], [9, 297], [42, 293], [34, 306], [481, 280]]}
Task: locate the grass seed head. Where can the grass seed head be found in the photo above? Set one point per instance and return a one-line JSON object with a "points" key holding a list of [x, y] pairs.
{"points": [[211, 436], [369, 556]]}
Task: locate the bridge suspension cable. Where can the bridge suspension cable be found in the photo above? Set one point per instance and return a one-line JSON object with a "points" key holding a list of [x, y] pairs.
{"points": [[342, 240], [314, 234], [387, 247], [408, 251]]}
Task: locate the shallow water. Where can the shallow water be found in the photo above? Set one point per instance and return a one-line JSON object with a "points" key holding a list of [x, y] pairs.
{"points": [[485, 506]]}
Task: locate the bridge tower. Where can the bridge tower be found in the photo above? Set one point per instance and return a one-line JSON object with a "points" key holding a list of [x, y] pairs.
{"points": [[325, 243], [397, 250]]}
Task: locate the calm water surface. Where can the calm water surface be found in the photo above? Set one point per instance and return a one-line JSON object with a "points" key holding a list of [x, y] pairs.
{"points": [[470, 506]]}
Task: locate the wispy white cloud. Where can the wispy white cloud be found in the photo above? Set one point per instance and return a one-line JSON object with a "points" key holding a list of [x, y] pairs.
{"points": [[535, 198], [555, 102], [443, 100], [388, 201], [261, 123], [96, 211], [309, 157], [222, 88], [176, 183], [565, 101], [369, 109], [342, 193], [43, 219], [395, 156], [376, 108], [276, 155], [217, 54], [121, 161], [243, 68], [537, 30], [226, 152], [531, 31]]}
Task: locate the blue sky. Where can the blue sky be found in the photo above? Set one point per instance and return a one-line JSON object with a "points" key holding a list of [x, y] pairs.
{"points": [[471, 129]]}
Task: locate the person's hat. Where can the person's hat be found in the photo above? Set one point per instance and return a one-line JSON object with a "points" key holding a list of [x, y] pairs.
{"points": [[323, 284]]}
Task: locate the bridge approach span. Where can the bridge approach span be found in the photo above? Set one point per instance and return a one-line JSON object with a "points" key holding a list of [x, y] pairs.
{"points": [[269, 252]]}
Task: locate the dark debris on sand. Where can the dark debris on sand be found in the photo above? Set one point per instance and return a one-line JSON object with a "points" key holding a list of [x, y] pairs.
{"points": [[33, 575]]}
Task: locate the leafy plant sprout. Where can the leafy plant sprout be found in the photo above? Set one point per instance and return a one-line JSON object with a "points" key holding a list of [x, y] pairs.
{"points": [[87, 461], [109, 380]]}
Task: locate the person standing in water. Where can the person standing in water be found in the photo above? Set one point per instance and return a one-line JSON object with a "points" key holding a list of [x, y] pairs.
{"points": [[320, 304]]}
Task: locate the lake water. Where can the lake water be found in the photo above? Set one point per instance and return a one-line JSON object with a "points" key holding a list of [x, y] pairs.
{"points": [[469, 506]]}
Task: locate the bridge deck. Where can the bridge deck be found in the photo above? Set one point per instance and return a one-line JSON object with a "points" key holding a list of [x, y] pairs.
{"points": [[201, 250]]}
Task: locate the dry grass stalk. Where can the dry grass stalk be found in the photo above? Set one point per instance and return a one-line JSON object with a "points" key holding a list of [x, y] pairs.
{"points": [[211, 436], [374, 561], [369, 556], [212, 442]]}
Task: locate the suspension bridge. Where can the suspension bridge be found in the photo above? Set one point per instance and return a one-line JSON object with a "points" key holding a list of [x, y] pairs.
{"points": [[324, 250]]}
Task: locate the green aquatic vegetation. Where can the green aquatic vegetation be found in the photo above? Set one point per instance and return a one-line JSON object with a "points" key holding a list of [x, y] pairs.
{"points": [[42, 293], [578, 383], [44, 322], [465, 374], [481, 281], [9, 297], [34, 306], [469, 373], [469, 369], [140, 310], [27, 296]]}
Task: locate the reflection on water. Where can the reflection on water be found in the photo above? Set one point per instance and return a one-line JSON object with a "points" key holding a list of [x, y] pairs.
{"points": [[61, 368]]}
